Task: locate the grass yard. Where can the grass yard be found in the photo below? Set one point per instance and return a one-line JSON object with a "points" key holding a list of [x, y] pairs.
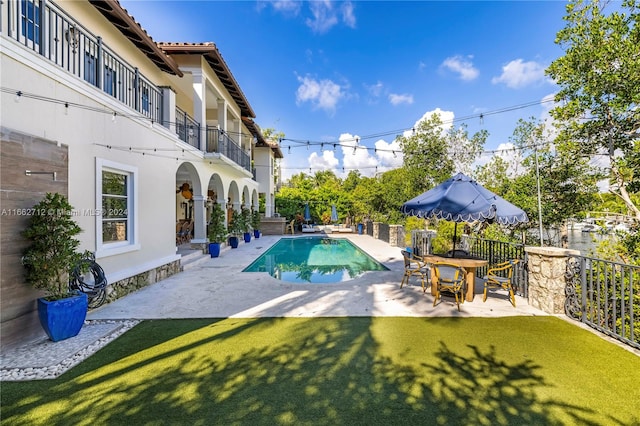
{"points": [[341, 371]]}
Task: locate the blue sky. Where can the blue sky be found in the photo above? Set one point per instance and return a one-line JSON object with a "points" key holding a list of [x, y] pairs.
{"points": [[363, 71]]}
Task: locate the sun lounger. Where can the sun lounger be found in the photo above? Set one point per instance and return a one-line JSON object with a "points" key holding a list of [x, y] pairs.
{"points": [[309, 228]]}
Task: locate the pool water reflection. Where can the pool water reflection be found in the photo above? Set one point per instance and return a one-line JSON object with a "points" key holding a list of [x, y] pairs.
{"points": [[314, 260]]}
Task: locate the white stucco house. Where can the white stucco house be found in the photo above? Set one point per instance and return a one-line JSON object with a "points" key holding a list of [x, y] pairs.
{"points": [[140, 135]]}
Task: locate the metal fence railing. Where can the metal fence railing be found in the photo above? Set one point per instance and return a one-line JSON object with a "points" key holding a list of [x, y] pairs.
{"points": [[47, 30], [606, 296], [187, 129], [220, 142]]}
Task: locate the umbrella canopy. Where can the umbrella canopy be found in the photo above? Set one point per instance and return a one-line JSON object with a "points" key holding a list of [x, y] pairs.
{"points": [[462, 199], [334, 213], [307, 214]]}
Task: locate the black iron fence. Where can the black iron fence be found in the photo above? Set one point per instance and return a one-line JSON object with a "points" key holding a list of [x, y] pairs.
{"points": [[46, 29], [219, 141], [606, 296], [187, 128]]}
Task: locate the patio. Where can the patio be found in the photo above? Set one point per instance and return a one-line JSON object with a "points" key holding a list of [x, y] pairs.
{"points": [[217, 288]]}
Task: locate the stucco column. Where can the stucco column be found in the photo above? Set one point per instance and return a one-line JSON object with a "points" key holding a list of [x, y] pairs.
{"points": [[547, 266], [168, 108], [200, 105], [222, 114], [199, 220]]}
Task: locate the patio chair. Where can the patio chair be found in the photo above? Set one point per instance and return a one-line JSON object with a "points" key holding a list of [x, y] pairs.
{"points": [[450, 279], [184, 235], [500, 276], [291, 227], [414, 266]]}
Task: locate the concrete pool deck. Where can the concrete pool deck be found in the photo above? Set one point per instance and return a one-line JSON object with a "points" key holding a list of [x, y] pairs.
{"points": [[217, 288]]}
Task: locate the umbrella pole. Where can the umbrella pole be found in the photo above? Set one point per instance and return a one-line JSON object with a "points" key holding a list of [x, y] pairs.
{"points": [[455, 231]]}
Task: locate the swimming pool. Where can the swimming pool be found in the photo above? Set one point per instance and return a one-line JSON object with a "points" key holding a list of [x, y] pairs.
{"points": [[314, 260]]}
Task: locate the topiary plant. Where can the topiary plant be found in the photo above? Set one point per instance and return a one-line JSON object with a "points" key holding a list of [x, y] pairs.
{"points": [[52, 253], [217, 231]]}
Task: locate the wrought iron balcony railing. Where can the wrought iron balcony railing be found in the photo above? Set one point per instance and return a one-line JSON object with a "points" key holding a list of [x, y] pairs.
{"points": [[50, 32]]}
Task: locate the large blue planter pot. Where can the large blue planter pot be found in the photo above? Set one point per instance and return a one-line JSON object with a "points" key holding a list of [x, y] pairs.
{"points": [[233, 242], [214, 249], [247, 237], [62, 319], [256, 233]]}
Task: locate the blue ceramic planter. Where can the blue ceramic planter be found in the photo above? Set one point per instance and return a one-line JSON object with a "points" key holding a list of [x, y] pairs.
{"points": [[247, 237], [233, 242], [256, 233], [214, 249], [62, 319]]}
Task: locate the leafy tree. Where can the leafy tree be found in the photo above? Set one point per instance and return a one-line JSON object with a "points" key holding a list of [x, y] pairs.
{"points": [[598, 103], [432, 155]]}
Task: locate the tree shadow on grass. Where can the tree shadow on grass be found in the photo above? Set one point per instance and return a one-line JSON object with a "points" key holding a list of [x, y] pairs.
{"points": [[483, 389], [315, 371]]}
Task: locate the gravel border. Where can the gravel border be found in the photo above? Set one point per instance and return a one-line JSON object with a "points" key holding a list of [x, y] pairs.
{"points": [[44, 359]]}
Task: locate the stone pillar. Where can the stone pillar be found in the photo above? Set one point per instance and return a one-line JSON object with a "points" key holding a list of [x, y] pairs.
{"points": [[396, 236], [376, 230], [547, 266]]}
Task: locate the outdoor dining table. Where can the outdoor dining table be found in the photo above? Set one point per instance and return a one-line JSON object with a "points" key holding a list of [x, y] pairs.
{"points": [[469, 264]]}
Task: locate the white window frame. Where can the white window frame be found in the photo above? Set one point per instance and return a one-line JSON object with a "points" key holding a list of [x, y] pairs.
{"points": [[131, 244]]}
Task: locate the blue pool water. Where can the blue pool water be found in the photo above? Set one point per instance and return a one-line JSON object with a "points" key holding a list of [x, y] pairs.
{"points": [[314, 260]]}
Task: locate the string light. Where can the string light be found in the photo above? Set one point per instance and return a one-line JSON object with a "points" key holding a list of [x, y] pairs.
{"points": [[113, 118], [66, 108], [18, 95]]}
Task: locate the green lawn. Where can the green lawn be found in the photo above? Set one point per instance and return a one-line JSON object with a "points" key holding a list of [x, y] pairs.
{"points": [[341, 371]]}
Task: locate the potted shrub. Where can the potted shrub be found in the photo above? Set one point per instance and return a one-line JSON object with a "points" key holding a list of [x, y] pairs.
{"points": [[217, 231], [246, 224], [255, 223], [235, 229], [48, 261]]}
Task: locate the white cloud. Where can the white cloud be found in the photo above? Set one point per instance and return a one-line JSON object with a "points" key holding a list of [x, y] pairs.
{"points": [[446, 117], [389, 155], [347, 14], [325, 161], [462, 66], [396, 99], [325, 16], [375, 90], [322, 94], [517, 74], [286, 7]]}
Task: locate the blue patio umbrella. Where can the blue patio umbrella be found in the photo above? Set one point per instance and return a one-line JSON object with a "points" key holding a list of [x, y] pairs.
{"points": [[462, 199], [307, 214], [334, 213]]}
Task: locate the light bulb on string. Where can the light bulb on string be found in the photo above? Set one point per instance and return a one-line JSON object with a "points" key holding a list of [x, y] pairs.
{"points": [[66, 108], [18, 95], [113, 117]]}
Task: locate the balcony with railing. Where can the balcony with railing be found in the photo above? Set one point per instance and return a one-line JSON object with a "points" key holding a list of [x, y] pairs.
{"points": [[50, 32], [187, 129], [221, 142]]}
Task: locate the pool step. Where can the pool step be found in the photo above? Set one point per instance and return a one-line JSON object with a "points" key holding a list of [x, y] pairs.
{"points": [[192, 258]]}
